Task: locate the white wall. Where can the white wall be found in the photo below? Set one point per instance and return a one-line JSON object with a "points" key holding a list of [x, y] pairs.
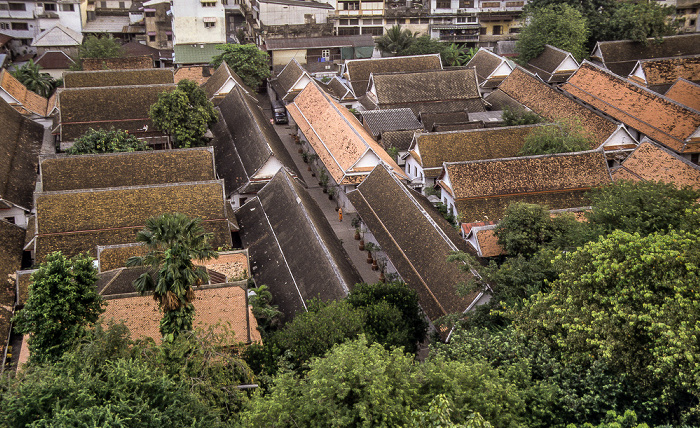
{"points": [[188, 22], [279, 14]]}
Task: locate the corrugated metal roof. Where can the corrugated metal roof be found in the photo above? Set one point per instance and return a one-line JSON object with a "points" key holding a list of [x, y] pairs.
{"points": [[107, 24], [319, 42], [195, 54], [58, 36]]}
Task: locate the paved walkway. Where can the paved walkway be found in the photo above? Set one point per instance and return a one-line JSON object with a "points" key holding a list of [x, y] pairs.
{"points": [[343, 230]]}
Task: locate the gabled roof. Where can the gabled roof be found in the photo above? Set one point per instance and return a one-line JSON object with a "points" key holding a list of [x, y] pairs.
{"points": [[20, 144], [101, 78], [686, 93], [427, 91], [59, 35], [224, 304], [196, 73], [123, 63], [661, 119], [219, 78], [398, 139], [379, 121], [244, 142], [620, 56], [486, 63], [27, 102], [336, 135], [649, 162], [292, 247], [547, 64], [553, 105], [429, 120], [319, 42], [100, 171], [123, 107], [659, 74], [338, 89], [54, 60], [416, 239], [459, 146], [483, 189], [113, 215], [357, 71], [482, 236], [284, 83]]}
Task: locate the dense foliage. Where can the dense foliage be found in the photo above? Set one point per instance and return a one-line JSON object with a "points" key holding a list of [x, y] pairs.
{"points": [[100, 47], [564, 138], [173, 242], [106, 141], [559, 25], [185, 113], [513, 117], [62, 302], [251, 64], [30, 75]]}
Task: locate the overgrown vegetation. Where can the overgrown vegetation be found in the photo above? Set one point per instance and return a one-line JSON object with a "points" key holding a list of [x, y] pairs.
{"points": [[106, 141], [565, 137], [513, 117], [30, 75], [402, 42], [251, 64]]}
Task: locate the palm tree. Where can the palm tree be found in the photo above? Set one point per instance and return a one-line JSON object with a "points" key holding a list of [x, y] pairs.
{"points": [[36, 81], [396, 40], [173, 241]]}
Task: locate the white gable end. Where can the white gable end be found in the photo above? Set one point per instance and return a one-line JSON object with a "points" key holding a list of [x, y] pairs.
{"points": [[269, 169], [569, 64]]}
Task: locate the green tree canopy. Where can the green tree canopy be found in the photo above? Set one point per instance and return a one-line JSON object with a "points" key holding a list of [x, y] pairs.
{"points": [[512, 117], [62, 302], [559, 25], [103, 141], [250, 63], [395, 40], [630, 302], [644, 207], [100, 46], [30, 76], [173, 242], [566, 137], [185, 113], [450, 54]]}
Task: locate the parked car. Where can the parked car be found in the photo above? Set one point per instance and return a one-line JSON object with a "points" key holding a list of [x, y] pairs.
{"points": [[279, 112]]}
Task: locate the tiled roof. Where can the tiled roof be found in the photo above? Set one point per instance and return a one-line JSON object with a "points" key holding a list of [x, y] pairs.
{"points": [[484, 62], [319, 42], [113, 216], [620, 56], [20, 145], [661, 73], [292, 247], [335, 134], [379, 121], [338, 89], [399, 139], [686, 93], [227, 305], [11, 246], [93, 79], [71, 172], [124, 63], [484, 189], [478, 144], [54, 60], [123, 107], [136, 49], [23, 282], [416, 239], [482, 235], [546, 63], [115, 256], [546, 101], [196, 73], [202, 53], [653, 163], [244, 141], [28, 102], [434, 90], [219, 78], [58, 35], [285, 80], [106, 24], [359, 70], [431, 119], [661, 119]]}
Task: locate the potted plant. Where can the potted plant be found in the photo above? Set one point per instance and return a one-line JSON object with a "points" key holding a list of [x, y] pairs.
{"points": [[355, 222], [331, 193], [371, 249], [305, 157], [381, 262]]}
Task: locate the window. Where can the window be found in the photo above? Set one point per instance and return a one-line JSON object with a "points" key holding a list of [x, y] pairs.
{"points": [[151, 38], [497, 30], [209, 24], [415, 21], [513, 30], [103, 4], [348, 31], [68, 7], [224, 2], [443, 4], [208, 4], [691, 22], [3, 6], [351, 5], [482, 31], [18, 6], [466, 4], [4, 26], [150, 14], [375, 31], [326, 53], [515, 4], [392, 21], [10, 220], [20, 26], [349, 22], [425, 20], [122, 5], [50, 7], [170, 37]]}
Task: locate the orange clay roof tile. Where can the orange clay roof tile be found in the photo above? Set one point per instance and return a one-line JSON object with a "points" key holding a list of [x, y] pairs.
{"points": [[651, 162], [686, 93]]}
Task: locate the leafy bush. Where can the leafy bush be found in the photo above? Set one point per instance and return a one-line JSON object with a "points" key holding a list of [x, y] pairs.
{"points": [[106, 141]]}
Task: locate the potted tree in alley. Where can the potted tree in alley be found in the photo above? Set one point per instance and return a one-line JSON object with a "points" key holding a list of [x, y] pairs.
{"points": [[331, 193], [355, 222], [371, 248], [381, 262], [305, 157]]}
